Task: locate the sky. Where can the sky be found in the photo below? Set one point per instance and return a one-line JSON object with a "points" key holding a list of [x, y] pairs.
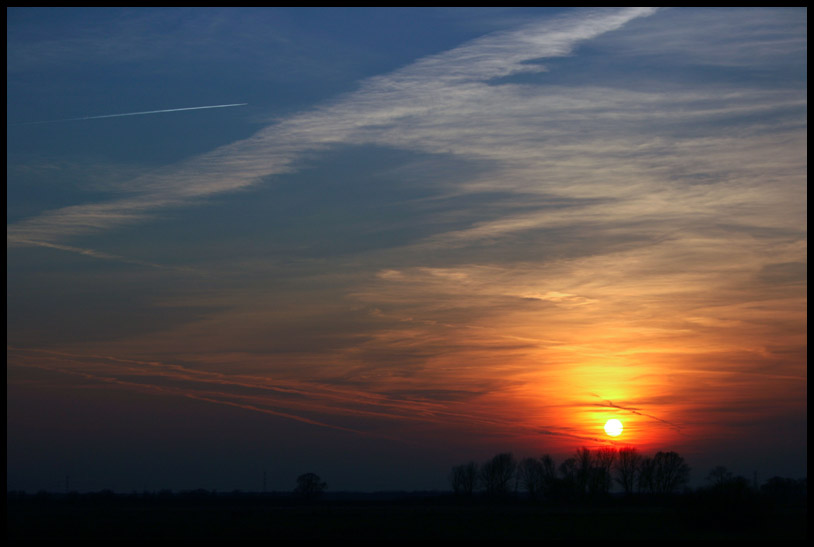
{"points": [[418, 237]]}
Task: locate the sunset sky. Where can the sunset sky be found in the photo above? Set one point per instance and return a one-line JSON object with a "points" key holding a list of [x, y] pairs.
{"points": [[428, 236]]}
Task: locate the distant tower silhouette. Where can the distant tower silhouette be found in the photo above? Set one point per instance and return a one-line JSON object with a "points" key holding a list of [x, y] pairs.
{"points": [[264, 481]]}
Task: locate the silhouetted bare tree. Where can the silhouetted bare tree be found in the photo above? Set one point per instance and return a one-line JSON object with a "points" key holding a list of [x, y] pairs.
{"points": [[670, 472], [626, 467], [567, 486], [310, 486], [584, 470], [463, 478], [719, 475], [646, 480], [601, 476], [532, 476], [497, 474], [549, 469]]}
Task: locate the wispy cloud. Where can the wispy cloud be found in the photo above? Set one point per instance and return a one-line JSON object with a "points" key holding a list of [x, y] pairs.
{"points": [[102, 255], [451, 82], [624, 151], [315, 403]]}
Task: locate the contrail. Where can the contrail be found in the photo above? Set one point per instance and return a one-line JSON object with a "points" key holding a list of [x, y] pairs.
{"points": [[133, 114]]}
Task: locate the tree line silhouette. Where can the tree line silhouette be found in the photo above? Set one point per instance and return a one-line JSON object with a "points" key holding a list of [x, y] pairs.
{"points": [[653, 493], [591, 474], [588, 474]]}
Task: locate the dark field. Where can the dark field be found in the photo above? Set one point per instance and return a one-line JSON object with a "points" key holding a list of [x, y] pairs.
{"points": [[432, 518]]}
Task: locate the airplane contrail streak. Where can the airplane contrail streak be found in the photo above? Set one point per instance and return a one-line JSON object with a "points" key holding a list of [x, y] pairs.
{"points": [[133, 113]]}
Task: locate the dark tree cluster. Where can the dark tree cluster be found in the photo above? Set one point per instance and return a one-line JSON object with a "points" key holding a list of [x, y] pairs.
{"points": [[727, 503], [588, 474]]}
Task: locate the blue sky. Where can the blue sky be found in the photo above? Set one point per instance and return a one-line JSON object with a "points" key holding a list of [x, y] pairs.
{"points": [[430, 235]]}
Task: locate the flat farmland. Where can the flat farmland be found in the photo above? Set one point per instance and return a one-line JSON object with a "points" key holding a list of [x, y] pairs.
{"points": [[233, 519]]}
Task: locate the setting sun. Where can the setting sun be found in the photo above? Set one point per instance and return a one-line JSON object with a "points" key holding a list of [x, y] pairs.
{"points": [[613, 427]]}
